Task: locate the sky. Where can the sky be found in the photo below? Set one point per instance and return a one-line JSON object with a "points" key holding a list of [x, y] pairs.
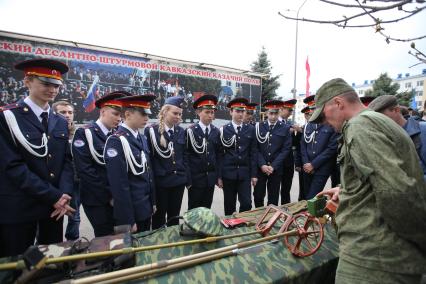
{"points": [[229, 33]]}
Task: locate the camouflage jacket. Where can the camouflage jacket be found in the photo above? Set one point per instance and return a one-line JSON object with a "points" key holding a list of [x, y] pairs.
{"points": [[381, 216]]}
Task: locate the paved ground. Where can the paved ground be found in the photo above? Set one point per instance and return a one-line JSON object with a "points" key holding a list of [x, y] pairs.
{"points": [[217, 207]]}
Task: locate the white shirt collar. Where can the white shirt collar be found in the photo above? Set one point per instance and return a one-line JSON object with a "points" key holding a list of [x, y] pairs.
{"points": [[167, 128], [203, 126], [102, 126], [35, 108], [236, 125], [280, 118], [269, 123], [135, 133]]}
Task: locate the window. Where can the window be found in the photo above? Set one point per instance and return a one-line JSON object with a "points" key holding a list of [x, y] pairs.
{"points": [[419, 104], [419, 83], [228, 83], [408, 85], [361, 92], [419, 93], [238, 85]]}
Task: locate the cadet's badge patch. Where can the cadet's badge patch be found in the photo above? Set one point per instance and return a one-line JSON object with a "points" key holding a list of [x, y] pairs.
{"points": [[111, 152], [78, 143]]}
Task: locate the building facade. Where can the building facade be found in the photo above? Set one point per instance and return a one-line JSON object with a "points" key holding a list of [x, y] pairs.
{"points": [[407, 83]]}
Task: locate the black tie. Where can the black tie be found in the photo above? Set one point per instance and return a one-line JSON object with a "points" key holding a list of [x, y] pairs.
{"points": [[140, 139], [171, 133], [238, 129], [44, 116], [270, 127], [207, 132]]}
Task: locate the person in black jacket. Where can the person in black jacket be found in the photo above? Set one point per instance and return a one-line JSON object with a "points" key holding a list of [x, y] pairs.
{"points": [[35, 166], [274, 142], [88, 148], [128, 165], [170, 166], [202, 146], [238, 159], [318, 148]]}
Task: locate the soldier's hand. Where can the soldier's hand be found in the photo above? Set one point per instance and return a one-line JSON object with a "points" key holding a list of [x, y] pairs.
{"points": [[220, 183], [134, 228], [253, 181], [60, 212], [308, 168], [333, 193], [271, 170], [297, 128], [265, 169], [63, 201], [62, 207]]}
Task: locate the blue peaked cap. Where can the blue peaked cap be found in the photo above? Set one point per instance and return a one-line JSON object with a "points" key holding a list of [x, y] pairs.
{"points": [[175, 101]]}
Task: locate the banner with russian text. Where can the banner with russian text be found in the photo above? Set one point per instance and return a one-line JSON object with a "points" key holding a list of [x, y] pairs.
{"points": [[118, 71]]}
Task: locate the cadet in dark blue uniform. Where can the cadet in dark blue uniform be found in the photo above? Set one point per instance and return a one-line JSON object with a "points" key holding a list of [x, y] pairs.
{"points": [[238, 159], [88, 149], [249, 115], [202, 144], [288, 168], [128, 166], [35, 167], [167, 143], [274, 142], [307, 111], [319, 149]]}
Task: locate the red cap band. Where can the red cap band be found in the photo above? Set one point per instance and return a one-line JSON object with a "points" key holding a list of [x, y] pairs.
{"points": [[43, 72]]}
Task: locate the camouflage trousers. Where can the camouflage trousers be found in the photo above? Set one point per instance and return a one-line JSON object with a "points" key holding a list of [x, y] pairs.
{"points": [[348, 273]]}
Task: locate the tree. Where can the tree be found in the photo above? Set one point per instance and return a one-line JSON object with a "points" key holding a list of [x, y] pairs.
{"points": [[384, 86], [373, 14], [405, 98], [269, 83]]}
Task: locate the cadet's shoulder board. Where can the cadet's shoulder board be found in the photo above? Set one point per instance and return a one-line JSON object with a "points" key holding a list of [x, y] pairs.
{"points": [[9, 106], [119, 133], [88, 126]]}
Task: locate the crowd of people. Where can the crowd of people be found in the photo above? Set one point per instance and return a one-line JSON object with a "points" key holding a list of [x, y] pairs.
{"points": [[79, 79], [122, 176]]}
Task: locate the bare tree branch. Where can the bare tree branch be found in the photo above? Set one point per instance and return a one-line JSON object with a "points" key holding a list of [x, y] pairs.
{"points": [[369, 7], [371, 12]]}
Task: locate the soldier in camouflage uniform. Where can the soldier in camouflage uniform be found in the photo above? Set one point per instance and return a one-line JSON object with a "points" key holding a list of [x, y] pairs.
{"points": [[382, 199]]}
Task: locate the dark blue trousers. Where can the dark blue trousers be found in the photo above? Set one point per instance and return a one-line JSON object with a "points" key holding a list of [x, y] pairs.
{"points": [[233, 189], [313, 184]]}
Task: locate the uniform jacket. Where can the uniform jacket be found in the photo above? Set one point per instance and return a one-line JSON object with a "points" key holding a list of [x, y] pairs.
{"points": [[93, 178], [133, 195], [381, 215], [274, 151], [173, 171], [203, 167], [239, 161], [289, 160], [297, 150], [320, 152], [31, 185], [417, 131]]}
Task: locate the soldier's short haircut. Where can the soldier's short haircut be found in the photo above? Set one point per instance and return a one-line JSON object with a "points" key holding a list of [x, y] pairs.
{"points": [[351, 97], [404, 110], [61, 103]]}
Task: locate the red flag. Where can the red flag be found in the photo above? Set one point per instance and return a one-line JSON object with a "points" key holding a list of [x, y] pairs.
{"points": [[308, 74]]}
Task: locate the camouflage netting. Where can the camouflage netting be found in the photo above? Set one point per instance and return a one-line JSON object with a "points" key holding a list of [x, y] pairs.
{"points": [[265, 263], [269, 262], [204, 221]]}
